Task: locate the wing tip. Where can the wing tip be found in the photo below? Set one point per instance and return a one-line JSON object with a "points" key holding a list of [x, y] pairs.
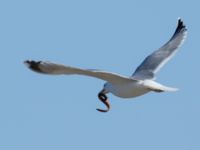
{"points": [[33, 65], [181, 28], [181, 25]]}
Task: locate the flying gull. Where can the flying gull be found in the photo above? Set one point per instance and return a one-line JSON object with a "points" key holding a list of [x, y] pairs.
{"points": [[142, 80]]}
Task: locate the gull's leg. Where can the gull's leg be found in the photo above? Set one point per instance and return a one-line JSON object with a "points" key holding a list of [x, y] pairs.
{"points": [[104, 99]]}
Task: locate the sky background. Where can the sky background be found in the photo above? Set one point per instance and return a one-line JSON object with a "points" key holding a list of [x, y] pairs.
{"points": [[40, 112]]}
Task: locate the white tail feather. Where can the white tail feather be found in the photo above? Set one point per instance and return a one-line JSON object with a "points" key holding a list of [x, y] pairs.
{"points": [[170, 89], [154, 86]]}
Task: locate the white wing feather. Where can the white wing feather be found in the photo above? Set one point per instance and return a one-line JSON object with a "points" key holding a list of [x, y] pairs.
{"points": [[58, 69]]}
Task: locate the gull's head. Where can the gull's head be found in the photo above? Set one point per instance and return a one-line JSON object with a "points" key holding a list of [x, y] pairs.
{"points": [[107, 87]]}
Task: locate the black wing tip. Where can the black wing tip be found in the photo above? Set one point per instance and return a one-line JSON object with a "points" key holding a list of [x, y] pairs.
{"points": [[181, 25], [33, 65]]}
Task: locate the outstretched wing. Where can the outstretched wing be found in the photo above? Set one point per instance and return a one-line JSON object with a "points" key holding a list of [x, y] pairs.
{"points": [[152, 64], [57, 69]]}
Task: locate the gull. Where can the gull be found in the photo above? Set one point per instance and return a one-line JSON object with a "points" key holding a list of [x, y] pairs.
{"points": [[142, 80]]}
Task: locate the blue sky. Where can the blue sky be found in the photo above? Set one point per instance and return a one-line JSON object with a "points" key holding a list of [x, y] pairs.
{"points": [[48, 112]]}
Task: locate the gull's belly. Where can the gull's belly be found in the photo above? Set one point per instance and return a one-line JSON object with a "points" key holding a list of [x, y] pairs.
{"points": [[129, 90]]}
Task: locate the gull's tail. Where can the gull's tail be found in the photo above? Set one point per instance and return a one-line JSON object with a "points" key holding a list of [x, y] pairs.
{"points": [[157, 87], [169, 89]]}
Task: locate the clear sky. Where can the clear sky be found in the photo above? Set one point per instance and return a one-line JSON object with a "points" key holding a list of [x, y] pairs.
{"points": [[40, 112]]}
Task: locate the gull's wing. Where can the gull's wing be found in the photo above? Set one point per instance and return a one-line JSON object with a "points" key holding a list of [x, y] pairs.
{"points": [[57, 69], [157, 59]]}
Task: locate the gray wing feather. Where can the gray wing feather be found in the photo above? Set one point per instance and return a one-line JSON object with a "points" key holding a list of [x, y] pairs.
{"points": [[157, 59], [58, 69]]}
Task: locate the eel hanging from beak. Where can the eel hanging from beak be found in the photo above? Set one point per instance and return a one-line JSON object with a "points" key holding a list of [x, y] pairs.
{"points": [[104, 99]]}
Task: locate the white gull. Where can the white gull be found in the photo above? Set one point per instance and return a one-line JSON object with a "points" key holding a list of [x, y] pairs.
{"points": [[141, 82]]}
